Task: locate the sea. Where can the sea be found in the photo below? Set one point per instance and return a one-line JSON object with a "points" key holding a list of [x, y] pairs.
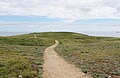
{"points": [[102, 30]]}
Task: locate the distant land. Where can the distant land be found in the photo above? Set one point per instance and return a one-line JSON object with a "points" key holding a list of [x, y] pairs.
{"points": [[90, 33], [105, 30]]}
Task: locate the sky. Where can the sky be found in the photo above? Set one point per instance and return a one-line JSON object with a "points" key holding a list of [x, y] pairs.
{"points": [[68, 11]]}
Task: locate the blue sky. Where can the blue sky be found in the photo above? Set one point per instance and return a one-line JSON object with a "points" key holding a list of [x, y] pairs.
{"points": [[16, 18], [99, 21]]}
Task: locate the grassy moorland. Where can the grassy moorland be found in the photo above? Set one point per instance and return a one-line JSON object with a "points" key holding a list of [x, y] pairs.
{"points": [[23, 54], [97, 56]]}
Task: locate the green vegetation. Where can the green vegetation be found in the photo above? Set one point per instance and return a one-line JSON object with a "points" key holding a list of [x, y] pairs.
{"points": [[23, 54], [97, 56], [13, 64]]}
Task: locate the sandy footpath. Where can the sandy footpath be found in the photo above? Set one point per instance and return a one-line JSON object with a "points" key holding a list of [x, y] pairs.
{"points": [[56, 67]]}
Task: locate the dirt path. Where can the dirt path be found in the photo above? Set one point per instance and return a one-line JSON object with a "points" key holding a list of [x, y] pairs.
{"points": [[56, 67]]}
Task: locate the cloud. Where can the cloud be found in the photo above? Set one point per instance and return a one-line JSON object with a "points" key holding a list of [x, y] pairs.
{"points": [[65, 9]]}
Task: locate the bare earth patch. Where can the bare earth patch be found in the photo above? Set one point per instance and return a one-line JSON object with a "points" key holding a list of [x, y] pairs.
{"points": [[56, 67]]}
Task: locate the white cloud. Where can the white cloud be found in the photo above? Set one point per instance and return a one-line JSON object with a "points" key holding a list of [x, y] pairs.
{"points": [[67, 9]]}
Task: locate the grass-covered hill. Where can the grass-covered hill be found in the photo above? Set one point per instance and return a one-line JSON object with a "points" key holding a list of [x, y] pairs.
{"points": [[23, 54]]}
